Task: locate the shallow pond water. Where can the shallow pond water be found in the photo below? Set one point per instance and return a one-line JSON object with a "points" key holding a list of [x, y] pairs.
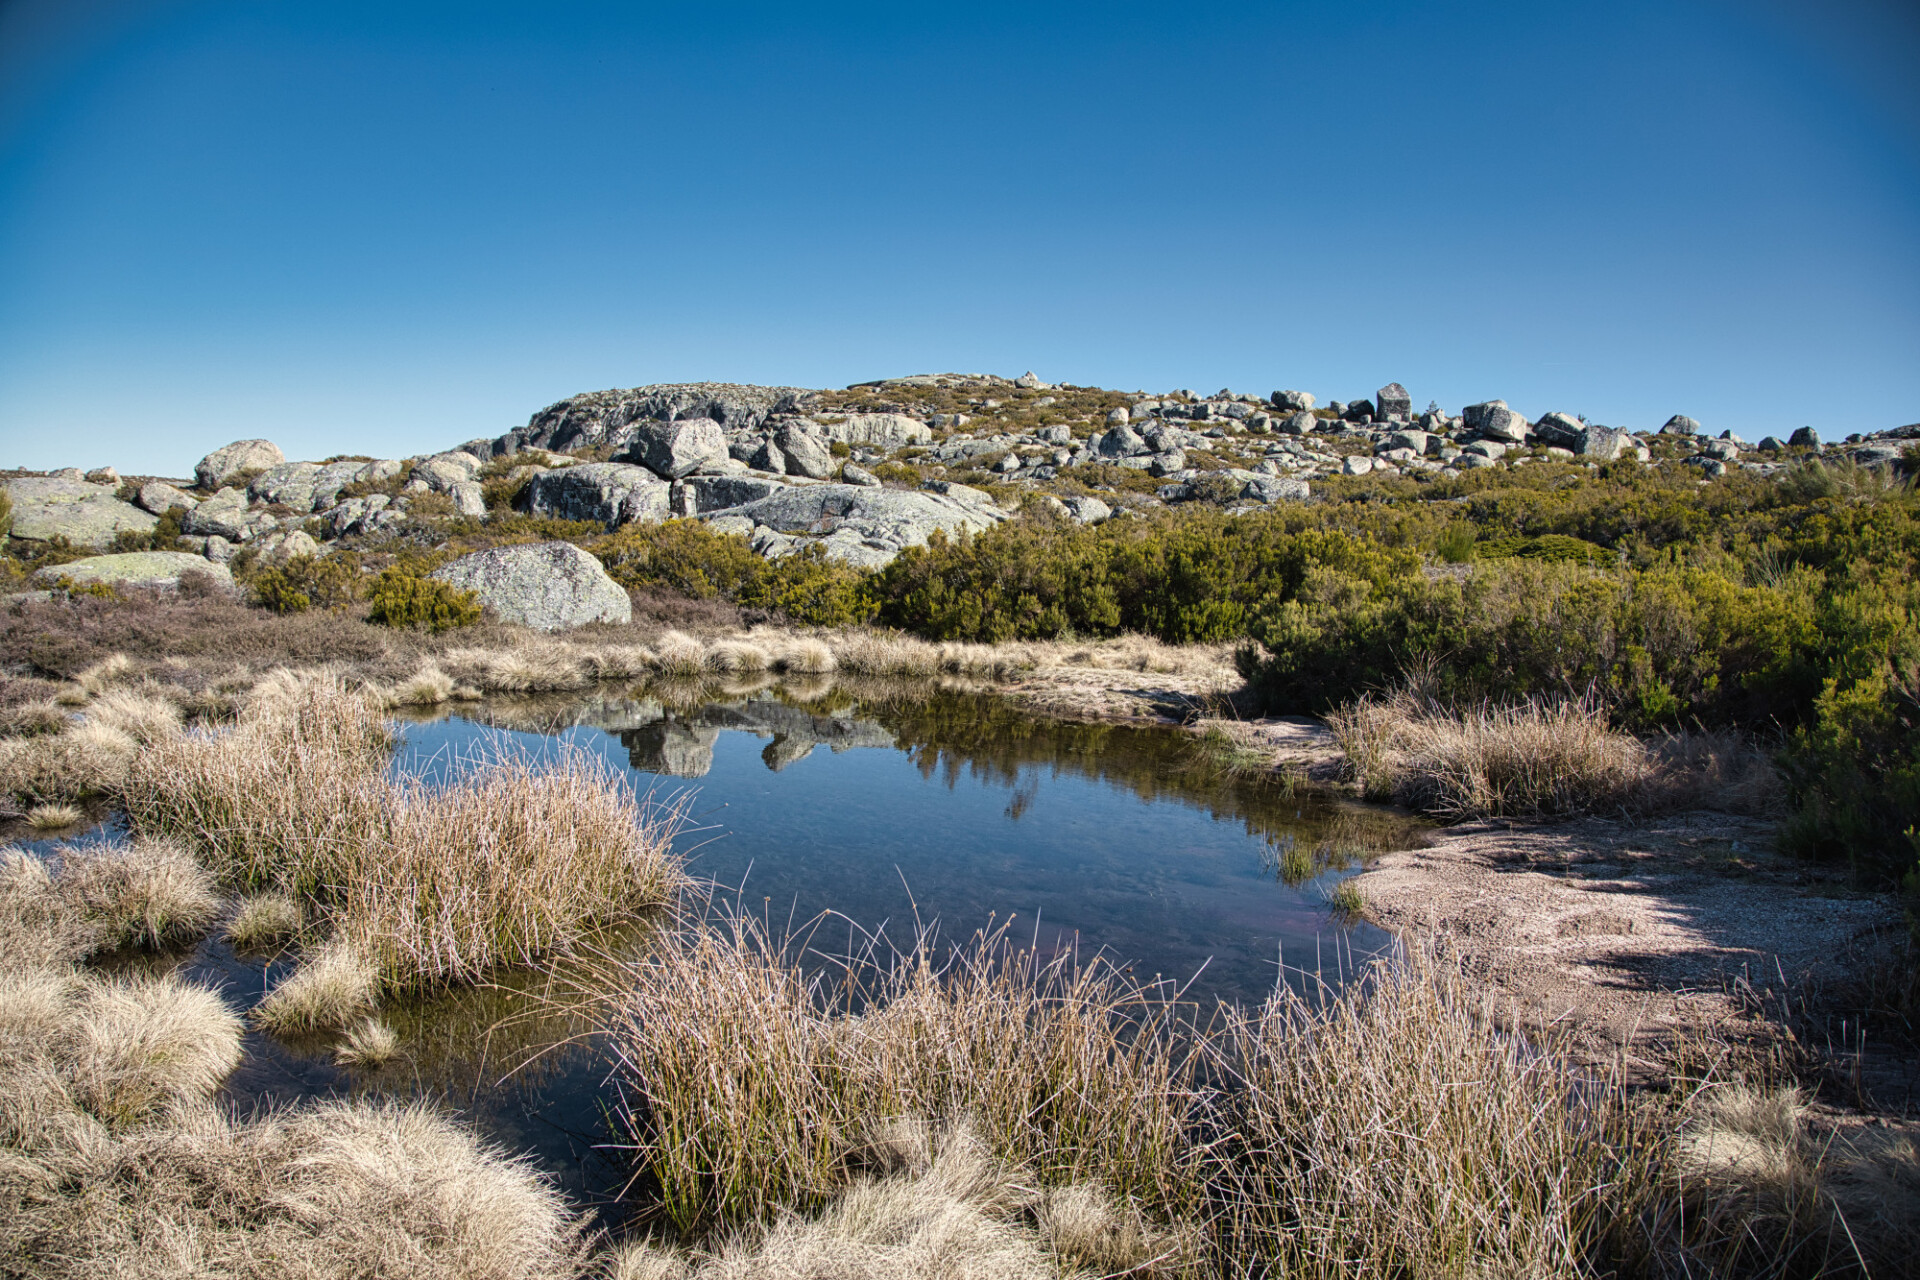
{"points": [[893, 811]]}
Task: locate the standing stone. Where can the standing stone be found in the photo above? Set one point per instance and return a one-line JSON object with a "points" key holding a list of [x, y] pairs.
{"points": [[678, 448], [549, 586], [1292, 401], [228, 461], [1393, 402], [1680, 425]]}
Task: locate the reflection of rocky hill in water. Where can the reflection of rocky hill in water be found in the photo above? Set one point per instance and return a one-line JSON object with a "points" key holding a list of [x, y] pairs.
{"points": [[678, 740]]}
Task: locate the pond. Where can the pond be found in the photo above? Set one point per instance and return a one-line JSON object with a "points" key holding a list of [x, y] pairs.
{"points": [[887, 811]]}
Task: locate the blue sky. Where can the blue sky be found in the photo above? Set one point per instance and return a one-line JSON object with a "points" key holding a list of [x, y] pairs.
{"points": [[390, 227]]}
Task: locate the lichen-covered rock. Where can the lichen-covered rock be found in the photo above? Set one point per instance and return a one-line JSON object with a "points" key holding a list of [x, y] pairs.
{"points": [[870, 526], [805, 452], [549, 586], [1602, 444], [159, 497], [701, 494], [612, 493], [227, 515], [86, 515], [878, 430], [228, 461], [608, 418], [135, 569], [678, 448], [1392, 401]]}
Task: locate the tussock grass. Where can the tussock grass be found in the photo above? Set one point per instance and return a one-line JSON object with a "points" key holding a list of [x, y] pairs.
{"points": [[263, 920], [147, 894], [54, 817], [759, 1081], [736, 656], [87, 759], [427, 687], [805, 655], [144, 717], [138, 1045], [333, 984], [514, 860], [368, 1043], [341, 1191], [102, 675], [1538, 758], [679, 654], [1772, 1197]]}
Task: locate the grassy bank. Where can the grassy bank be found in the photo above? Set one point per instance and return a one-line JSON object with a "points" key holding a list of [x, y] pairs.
{"points": [[1390, 1129]]}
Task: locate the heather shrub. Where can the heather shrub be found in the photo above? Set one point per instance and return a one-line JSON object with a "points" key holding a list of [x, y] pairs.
{"points": [[400, 599], [307, 582]]}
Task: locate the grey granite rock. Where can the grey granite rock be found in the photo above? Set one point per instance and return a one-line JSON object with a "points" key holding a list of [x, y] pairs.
{"points": [[878, 430], [677, 448], [1680, 425], [228, 461], [1292, 401], [226, 515], [607, 418], [549, 586], [805, 452], [1602, 444], [877, 523], [86, 515], [1559, 429], [612, 493], [136, 569], [1392, 401], [159, 497]]}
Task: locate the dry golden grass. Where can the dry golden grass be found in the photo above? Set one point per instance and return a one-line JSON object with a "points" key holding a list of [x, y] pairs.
{"points": [[147, 894], [427, 687], [679, 654], [805, 655], [341, 1191], [263, 920], [87, 759], [334, 984], [54, 817], [759, 1081], [145, 717], [1539, 759], [368, 1043], [138, 1045], [737, 656], [103, 674], [513, 860]]}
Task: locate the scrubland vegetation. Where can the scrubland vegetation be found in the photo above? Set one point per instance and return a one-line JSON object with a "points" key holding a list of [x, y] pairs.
{"points": [[1529, 643]]}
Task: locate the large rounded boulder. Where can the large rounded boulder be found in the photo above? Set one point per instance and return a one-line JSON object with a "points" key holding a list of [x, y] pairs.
{"points": [[549, 586], [238, 458], [136, 569], [65, 506]]}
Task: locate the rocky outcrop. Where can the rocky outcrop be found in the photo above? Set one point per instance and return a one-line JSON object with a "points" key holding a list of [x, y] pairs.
{"points": [[86, 515], [227, 515], [136, 569], [865, 526], [549, 586], [229, 461], [878, 430], [607, 418], [612, 493], [677, 448]]}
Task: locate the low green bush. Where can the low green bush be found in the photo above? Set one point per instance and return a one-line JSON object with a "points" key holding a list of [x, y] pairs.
{"points": [[399, 599], [307, 582], [690, 557]]}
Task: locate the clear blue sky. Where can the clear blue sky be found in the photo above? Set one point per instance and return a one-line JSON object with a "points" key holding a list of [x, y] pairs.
{"points": [[390, 227]]}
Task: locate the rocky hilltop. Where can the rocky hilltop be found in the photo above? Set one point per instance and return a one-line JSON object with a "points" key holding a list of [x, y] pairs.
{"points": [[862, 472]]}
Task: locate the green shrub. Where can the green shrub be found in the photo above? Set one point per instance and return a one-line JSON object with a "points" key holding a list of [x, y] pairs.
{"points": [[690, 557], [307, 582], [6, 515], [400, 599]]}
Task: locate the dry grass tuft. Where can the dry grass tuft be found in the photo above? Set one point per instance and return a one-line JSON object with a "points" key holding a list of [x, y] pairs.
{"points": [[144, 717], [103, 674], [264, 920], [736, 656], [759, 1081], [132, 1048], [88, 759], [368, 1043], [535, 664], [427, 687], [36, 926], [1528, 759], [805, 655], [620, 661], [679, 654], [334, 984], [147, 894], [54, 817], [1087, 1229], [955, 1217], [515, 860]]}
